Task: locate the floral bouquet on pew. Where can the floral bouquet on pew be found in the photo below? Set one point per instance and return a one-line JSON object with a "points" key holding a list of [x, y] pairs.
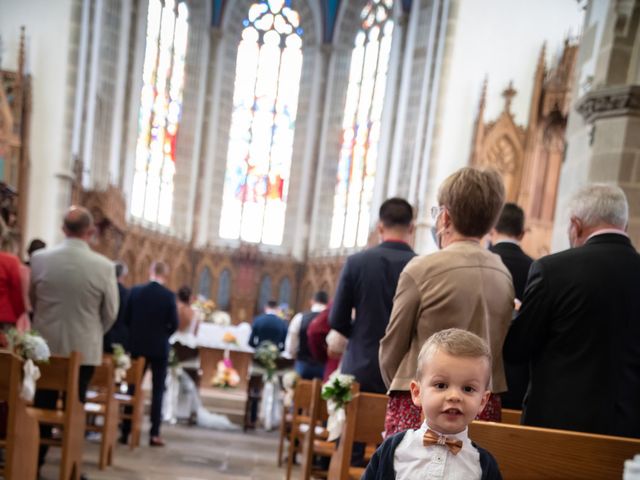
{"points": [[121, 362], [337, 393], [266, 355], [31, 347], [289, 382]]}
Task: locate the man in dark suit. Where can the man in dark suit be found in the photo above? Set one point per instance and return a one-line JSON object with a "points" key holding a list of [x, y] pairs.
{"points": [[269, 327], [579, 324], [119, 332], [367, 284], [152, 317], [506, 237]]}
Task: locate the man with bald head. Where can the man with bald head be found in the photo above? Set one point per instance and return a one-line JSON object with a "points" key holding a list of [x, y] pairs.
{"points": [[75, 301], [579, 324]]}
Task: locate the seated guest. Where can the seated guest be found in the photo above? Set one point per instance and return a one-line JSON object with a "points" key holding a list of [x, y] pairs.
{"points": [[579, 324], [297, 343], [12, 295], [506, 237], [119, 332], [463, 286], [269, 326], [451, 387]]}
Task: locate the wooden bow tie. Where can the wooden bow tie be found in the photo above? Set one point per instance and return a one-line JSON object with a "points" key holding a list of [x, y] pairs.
{"points": [[432, 438]]}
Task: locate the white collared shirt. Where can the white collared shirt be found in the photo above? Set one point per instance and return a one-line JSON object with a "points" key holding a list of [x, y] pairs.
{"points": [[412, 460], [292, 341]]}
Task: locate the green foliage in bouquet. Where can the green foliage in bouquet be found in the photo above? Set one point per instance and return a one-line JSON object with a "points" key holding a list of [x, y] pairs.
{"points": [[338, 389], [266, 355], [28, 345]]}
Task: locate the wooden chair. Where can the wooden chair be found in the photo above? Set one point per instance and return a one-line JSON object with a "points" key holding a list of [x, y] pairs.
{"points": [[22, 436], [512, 417], [61, 374], [285, 429], [364, 424], [532, 453], [101, 403], [300, 415], [131, 406], [314, 442]]}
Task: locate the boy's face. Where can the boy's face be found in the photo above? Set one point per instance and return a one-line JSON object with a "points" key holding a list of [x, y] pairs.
{"points": [[452, 391]]}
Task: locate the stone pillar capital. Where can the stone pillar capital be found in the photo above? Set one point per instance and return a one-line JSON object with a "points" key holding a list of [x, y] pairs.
{"points": [[607, 102]]}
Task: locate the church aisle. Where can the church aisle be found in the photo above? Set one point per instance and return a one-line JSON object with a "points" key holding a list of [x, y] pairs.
{"points": [[191, 454]]}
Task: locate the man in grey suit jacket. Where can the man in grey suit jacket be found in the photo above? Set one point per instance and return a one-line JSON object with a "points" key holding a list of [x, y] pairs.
{"points": [[75, 301]]}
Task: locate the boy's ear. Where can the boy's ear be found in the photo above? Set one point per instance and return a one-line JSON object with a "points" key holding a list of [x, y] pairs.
{"points": [[415, 393], [485, 399]]}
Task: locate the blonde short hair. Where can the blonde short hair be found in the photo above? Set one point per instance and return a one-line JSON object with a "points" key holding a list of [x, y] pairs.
{"points": [[455, 342], [474, 199]]}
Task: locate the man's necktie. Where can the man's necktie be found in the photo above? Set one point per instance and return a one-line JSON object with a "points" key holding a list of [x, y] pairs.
{"points": [[432, 438]]}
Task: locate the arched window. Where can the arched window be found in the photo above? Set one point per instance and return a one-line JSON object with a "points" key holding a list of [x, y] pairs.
{"points": [[224, 290], [361, 126], [204, 284], [160, 111], [284, 294], [265, 292], [265, 103]]}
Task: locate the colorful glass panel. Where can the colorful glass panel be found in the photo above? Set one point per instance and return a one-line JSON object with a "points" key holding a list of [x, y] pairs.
{"points": [[160, 111], [361, 126], [265, 104]]}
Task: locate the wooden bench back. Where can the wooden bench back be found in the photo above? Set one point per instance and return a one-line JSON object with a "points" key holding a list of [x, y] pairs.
{"points": [[531, 452], [302, 399], [22, 436], [511, 417], [135, 372], [364, 424], [60, 373], [102, 378]]}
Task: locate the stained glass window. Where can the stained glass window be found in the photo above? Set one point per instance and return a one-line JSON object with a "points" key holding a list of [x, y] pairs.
{"points": [[361, 126], [224, 290], [160, 111], [264, 295], [284, 295], [204, 285], [265, 103]]}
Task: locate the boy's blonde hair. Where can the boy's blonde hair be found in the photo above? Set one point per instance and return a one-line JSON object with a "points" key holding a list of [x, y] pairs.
{"points": [[455, 342]]}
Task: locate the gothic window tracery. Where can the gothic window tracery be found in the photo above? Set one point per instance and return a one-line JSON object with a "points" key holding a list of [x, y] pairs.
{"points": [[204, 284], [361, 126], [224, 290], [284, 294], [265, 103], [264, 294], [160, 111]]}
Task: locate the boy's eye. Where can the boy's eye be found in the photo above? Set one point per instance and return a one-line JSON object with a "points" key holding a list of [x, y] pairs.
{"points": [[440, 385], [469, 389]]}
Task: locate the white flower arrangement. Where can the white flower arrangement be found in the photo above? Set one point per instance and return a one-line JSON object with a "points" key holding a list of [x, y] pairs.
{"points": [[31, 347], [121, 362], [289, 382], [337, 392]]}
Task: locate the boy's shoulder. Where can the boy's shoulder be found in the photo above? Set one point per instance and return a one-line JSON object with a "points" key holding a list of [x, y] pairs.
{"points": [[488, 464], [381, 464]]}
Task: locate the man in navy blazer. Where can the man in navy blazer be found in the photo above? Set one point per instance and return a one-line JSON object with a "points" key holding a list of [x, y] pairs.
{"points": [[152, 317], [367, 285]]}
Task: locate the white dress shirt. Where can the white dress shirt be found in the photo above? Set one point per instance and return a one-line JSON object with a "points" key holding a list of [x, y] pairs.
{"points": [[292, 341], [412, 460]]}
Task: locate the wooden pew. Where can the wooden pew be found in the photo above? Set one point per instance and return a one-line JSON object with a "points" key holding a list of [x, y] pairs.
{"points": [[101, 402], [511, 417], [131, 406], [532, 453], [20, 444], [364, 424], [61, 374], [314, 437]]}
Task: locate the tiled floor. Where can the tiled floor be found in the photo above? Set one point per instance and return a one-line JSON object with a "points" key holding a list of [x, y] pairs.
{"points": [[191, 454]]}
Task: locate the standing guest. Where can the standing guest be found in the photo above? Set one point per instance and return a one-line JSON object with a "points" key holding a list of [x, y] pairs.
{"points": [[269, 327], [579, 324], [367, 284], [34, 245], [119, 332], [506, 237], [297, 342], [75, 300], [317, 337], [12, 300], [463, 286], [152, 317]]}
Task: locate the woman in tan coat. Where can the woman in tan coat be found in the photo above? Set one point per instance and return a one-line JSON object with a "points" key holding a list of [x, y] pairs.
{"points": [[463, 286]]}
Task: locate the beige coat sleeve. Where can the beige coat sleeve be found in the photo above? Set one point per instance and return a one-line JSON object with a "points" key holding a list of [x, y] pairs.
{"points": [[110, 300], [401, 328]]}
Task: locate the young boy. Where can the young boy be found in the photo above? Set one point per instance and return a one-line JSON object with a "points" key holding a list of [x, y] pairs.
{"points": [[451, 387]]}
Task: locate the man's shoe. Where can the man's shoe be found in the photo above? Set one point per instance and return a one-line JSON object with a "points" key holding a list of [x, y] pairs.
{"points": [[156, 442]]}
